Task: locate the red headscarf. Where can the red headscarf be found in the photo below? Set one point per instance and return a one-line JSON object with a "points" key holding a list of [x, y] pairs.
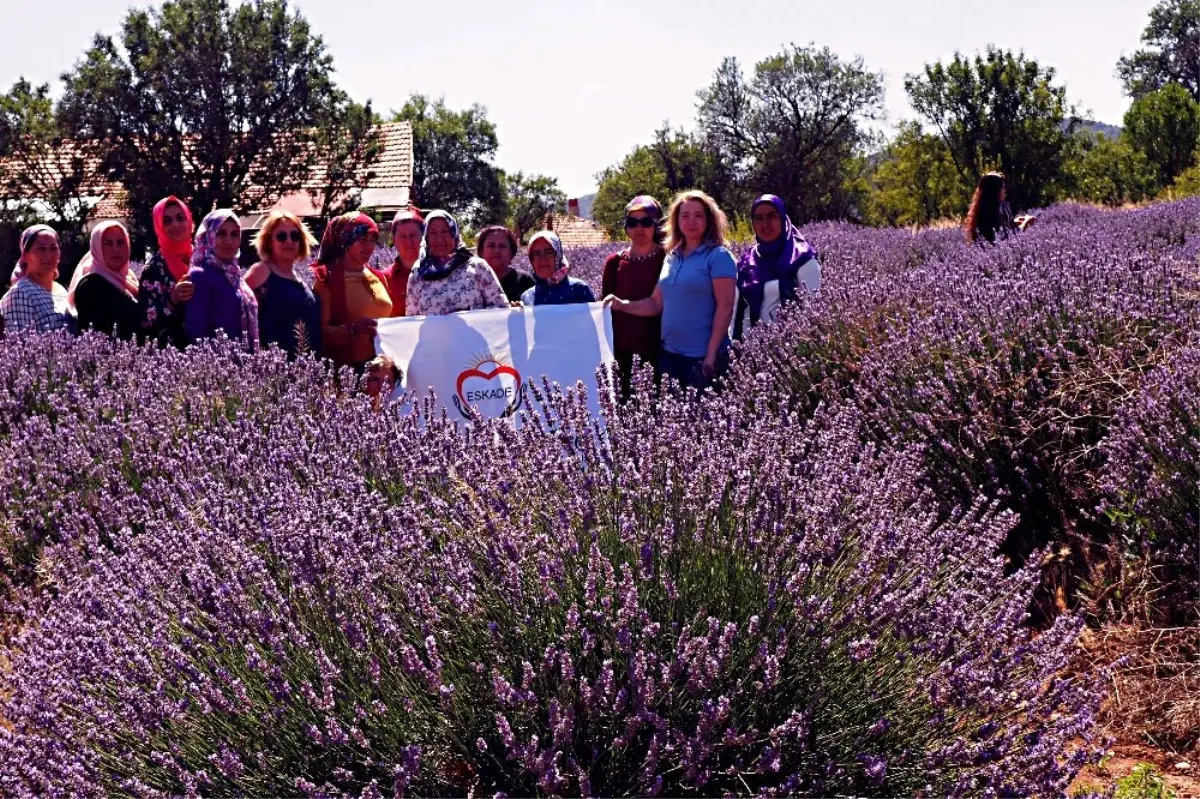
{"points": [[340, 234], [177, 254]]}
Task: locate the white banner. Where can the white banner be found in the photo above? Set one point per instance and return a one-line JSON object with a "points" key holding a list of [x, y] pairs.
{"points": [[484, 359]]}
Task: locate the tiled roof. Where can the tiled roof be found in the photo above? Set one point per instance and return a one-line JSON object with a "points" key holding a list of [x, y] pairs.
{"points": [[63, 159], [575, 231]]}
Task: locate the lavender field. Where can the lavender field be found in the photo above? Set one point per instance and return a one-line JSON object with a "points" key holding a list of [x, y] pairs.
{"points": [[863, 568]]}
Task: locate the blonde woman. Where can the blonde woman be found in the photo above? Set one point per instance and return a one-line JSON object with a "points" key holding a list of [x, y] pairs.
{"points": [[289, 315], [695, 292]]}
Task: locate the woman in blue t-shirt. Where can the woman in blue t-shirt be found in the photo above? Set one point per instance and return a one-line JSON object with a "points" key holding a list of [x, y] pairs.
{"points": [[695, 292]]}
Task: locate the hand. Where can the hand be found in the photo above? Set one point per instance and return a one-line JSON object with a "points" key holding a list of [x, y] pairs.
{"points": [[515, 304], [1025, 221], [182, 292], [709, 366], [363, 327], [614, 302]]}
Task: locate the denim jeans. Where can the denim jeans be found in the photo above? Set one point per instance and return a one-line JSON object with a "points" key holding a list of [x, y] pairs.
{"points": [[690, 371]]}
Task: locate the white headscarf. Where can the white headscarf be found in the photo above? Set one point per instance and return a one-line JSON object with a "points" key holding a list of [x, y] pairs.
{"points": [[93, 262]]}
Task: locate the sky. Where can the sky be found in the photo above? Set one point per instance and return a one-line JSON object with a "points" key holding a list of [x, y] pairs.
{"points": [[573, 86]]}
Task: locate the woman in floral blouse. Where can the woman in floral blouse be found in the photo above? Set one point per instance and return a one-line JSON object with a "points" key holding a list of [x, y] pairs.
{"points": [[448, 278], [164, 287]]}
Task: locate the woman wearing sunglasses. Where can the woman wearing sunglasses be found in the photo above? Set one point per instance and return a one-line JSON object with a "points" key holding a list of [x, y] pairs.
{"points": [[632, 274], [164, 289], [289, 315]]}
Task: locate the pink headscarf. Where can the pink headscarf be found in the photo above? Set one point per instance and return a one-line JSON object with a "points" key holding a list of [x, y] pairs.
{"points": [[93, 262]]}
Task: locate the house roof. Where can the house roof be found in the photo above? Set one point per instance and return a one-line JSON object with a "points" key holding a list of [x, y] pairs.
{"points": [[575, 231]]}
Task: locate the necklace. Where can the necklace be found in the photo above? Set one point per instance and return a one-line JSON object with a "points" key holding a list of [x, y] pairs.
{"points": [[637, 259]]}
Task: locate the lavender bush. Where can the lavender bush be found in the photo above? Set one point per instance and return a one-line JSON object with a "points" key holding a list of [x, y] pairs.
{"points": [[268, 588]]}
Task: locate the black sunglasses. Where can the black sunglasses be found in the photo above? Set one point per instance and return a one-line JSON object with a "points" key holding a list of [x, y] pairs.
{"points": [[638, 221], [284, 235]]}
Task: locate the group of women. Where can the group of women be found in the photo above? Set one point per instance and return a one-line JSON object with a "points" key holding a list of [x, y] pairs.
{"points": [[675, 290]]}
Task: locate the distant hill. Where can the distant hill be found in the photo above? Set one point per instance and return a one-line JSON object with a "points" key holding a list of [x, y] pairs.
{"points": [[1102, 129]]}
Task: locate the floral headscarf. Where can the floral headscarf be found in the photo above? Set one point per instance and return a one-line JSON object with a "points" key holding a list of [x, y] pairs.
{"points": [[28, 237], [562, 266], [204, 255], [432, 268], [93, 263], [341, 234], [176, 254]]}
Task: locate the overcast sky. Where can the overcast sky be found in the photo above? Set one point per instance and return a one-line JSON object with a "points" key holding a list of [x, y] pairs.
{"points": [[573, 86]]}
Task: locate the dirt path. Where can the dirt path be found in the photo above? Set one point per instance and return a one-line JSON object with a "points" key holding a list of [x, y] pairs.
{"points": [[1181, 775]]}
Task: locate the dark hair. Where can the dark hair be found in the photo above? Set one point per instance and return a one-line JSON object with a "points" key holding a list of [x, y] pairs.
{"points": [[491, 230], [983, 218]]}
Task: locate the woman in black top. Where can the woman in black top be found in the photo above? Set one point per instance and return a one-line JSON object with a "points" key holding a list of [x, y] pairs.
{"points": [[497, 245], [104, 291]]}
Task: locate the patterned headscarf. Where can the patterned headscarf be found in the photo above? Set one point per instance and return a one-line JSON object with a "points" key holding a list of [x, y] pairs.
{"points": [[562, 266], [773, 260], [431, 268], [93, 262], [28, 237], [204, 255], [177, 254], [340, 235], [644, 202]]}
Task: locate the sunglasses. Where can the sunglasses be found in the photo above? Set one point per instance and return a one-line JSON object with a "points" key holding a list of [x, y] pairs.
{"points": [[638, 221], [284, 235]]}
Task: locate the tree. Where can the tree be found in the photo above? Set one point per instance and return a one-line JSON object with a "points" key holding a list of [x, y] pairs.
{"points": [[1003, 111], [211, 103], [347, 148], [528, 200], [1164, 126], [1110, 172], [795, 128], [453, 160], [916, 182], [43, 178], [674, 161], [1172, 52]]}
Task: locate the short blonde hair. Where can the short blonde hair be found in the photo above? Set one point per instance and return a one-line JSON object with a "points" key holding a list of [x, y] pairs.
{"points": [[262, 242], [717, 230]]}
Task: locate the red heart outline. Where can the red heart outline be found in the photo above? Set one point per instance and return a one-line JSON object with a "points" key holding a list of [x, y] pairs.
{"points": [[475, 372]]}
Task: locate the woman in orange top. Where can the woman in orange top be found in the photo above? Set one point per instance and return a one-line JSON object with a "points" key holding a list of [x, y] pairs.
{"points": [[351, 296], [408, 230]]}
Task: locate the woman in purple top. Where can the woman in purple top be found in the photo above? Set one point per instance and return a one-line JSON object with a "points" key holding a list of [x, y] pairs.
{"points": [[221, 300]]}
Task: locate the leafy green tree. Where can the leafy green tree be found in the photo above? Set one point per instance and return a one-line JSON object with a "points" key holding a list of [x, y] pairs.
{"points": [[794, 128], [454, 160], [999, 110], [206, 101], [528, 199], [43, 179], [1164, 126], [1110, 172], [347, 148], [916, 182], [675, 161], [1171, 54]]}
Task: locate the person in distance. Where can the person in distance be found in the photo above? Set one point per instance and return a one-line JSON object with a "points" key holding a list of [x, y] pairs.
{"points": [[695, 292], [221, 300], [104, 290], [352, 298], [990, 216], [498, 246], [553, 284], [36, 303], [289, 315], [632, 274], [780, 263], [163, 287], [449, 278]]}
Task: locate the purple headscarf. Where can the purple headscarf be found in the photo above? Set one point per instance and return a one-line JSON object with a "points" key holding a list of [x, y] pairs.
{"points": [[780, 259]]}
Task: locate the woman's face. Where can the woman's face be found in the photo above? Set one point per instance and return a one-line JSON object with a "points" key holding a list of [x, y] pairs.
{"points": [[114, 246], [640, 235], [228, 240], [439, 239], [41, 261], [497, 252], [543, 258], [693, 221], [406, 238], [175, 223], [767, 224], [360, 252], [285, 242]]}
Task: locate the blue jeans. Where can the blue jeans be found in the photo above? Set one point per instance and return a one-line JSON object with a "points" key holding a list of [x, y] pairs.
{"points": [[690, 371]]}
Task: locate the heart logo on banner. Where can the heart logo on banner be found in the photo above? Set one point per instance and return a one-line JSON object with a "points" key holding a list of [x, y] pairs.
{"points": [[491, 387]]}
